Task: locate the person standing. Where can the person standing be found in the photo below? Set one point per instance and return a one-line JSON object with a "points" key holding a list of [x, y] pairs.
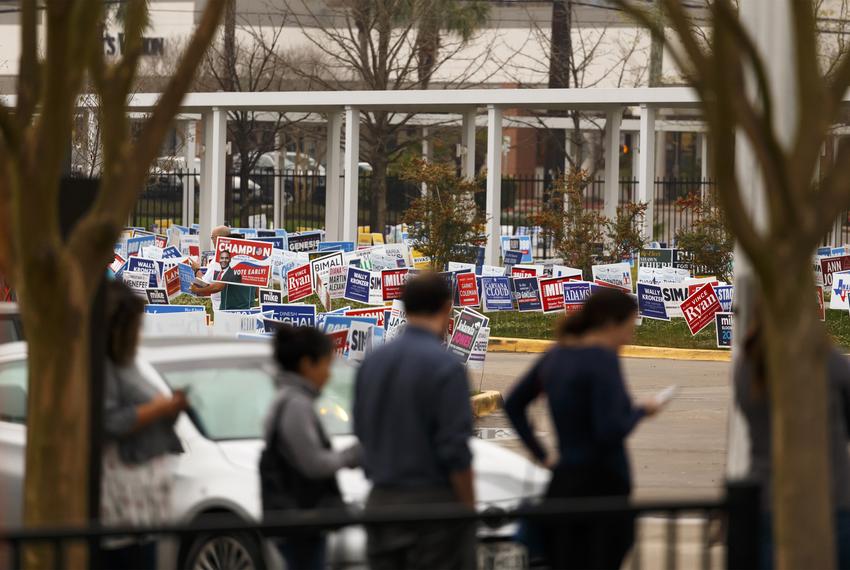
{"points": [[220, 275], [593, 415], [139, 437], [413, 418], [298, 466]]}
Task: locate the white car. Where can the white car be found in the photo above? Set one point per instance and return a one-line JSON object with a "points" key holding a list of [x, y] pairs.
{"points": [[231, 385]]}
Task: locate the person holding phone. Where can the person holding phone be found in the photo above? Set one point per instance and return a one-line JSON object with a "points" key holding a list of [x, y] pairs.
{"points": [[593, 414]]}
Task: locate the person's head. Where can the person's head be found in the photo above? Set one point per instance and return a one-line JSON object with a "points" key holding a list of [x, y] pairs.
{"points": [[607, 317], [304, 351], [124, 309], [219, 231], [224, 259], [428, 302]]}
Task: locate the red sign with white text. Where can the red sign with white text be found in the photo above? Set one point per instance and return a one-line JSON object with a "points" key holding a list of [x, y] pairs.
{"points": [[392, 282], [523, 272], [338, 340], [830, 265], [552, 293], [377, 312], [467, 290], [699, 308], [693, 287], [171, 276], [251, 260], [299, 283]]}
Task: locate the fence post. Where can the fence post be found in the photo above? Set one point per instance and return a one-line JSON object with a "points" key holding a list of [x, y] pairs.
{"points": [[743, 531]]}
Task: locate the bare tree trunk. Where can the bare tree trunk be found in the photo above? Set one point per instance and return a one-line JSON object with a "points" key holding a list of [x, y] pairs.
{"points": [[230, 45], [656, 50], [57, 325], [560, 58], [797, 348], [378, 186]]}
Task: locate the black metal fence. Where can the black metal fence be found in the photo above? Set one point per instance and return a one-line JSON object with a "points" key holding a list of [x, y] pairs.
{"points": [[728, 529]]}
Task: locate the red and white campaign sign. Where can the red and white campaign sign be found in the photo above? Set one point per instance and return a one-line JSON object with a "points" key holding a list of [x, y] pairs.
{"points": [[520, 271], [467, 290], [552, 293], [251, 260], [699, 308], [821, 305], [694, 287], [299, 283], [117, 263], [392, 282], [339, 340], [610, 285], [376, 312], [830, 265], [171, 277]]}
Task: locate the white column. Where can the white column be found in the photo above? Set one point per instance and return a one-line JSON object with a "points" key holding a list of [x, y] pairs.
{"points": [[613, 118], [494, 184], [646, 168], [333, 187], [213, 174], [467, 141], [352, 174], [189, 151]]}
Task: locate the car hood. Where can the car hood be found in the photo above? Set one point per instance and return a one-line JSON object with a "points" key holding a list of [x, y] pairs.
{"points": [[502, 477]]}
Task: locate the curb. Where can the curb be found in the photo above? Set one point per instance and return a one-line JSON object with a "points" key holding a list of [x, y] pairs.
{"points": [[502, 344], [486, 403]]}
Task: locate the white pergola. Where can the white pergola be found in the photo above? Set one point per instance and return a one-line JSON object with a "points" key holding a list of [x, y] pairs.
{"points": [[346, 106]]}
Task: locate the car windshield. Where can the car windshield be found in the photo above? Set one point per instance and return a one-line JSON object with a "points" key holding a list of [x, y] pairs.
{"points": [[230, 398]]}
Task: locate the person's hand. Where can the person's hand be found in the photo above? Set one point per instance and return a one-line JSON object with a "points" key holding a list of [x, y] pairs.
{"points": [[651, 407], [179, 401], [550, 462], [196, 266], [195, 289]]}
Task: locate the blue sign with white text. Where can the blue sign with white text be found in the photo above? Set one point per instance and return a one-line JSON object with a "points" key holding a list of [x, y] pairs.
{"points": [[171, 252], [513, 257], [276, 241], [296, 315], [357, 285], [335, 322], [527, 294], [347, 246], [651, 302], [144, 265], [518, 243], [162, 309], [135, 244], [496, 294], [724, 295], [575, 294]]}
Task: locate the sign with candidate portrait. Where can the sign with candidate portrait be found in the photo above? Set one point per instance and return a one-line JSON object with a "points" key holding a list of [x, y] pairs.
{"points": [[249, 260]]}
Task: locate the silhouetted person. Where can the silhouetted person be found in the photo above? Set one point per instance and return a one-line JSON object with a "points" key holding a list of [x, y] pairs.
{"points": [[753, 398], [593, 414], [298, 466], [413, 418]]}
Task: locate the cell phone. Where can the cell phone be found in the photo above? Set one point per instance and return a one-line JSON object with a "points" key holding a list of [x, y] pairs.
{"points": [[663, 397]]}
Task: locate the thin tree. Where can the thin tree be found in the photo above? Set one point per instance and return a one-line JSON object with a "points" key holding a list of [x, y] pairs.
{"points": [[799, 213], [55, 279]]}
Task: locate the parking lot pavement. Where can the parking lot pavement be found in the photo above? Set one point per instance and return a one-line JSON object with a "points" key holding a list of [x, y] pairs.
{"points": [[679, 454]]}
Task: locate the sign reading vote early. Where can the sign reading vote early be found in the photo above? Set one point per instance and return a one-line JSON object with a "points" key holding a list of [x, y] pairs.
{"points": [[296, 315], [699, 308], [250, 259], [723, 329], [651, 302]]}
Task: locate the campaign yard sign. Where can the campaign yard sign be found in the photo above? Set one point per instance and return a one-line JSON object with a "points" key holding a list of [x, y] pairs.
{"points": [[336, 281], [575, 293], [144, 265], [466, 329], [527, 294], [299, 283], [135, 244], [376, 288], [173, 309], [552, 293], [271, 296], [564, 271], [298, 315], [321, 266], [347, 246], [723, 329], [117, 264], [479, 350], [657, 258], [512, 257], [305, 241], [656, 276], [376, 312], [699, 308], [467, 290], [171, 252], [171, 281], [526, 271], [278, 242], [187, 275], [651, 302], [724, 295], [357, 285], [617, 275], [250, 259], [157, 296], [360, 337], [496, 294], [392, 282], [517, 243], [339, 340], [396, 321], [830, 266]]}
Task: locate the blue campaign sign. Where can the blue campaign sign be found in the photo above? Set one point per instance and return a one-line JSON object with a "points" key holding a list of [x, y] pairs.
{"points": [[187, 275], [651, 302], [724, 295], [347, 246], [296, 315], [276, 241], [824, 251], [575, 292], [518, 243], [334, 322], [144, 265], [723, 329], [513, 257], [171, 252], [162, 309], [527, 293], [135, 244], [357, 285], [496, 294]]}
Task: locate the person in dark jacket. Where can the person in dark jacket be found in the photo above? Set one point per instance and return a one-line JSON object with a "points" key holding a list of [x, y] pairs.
{"points": [[593, 414], [413, 418], [298, 467]]}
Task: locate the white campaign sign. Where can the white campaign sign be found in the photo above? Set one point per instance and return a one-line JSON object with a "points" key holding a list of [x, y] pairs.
{"points": [[192, 323], [674, 295]]}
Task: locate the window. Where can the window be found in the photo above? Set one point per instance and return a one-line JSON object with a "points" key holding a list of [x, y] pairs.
{"points": [[13, 392]]}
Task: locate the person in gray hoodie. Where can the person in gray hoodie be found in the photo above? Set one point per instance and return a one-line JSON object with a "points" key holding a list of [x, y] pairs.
{"points": [[298, 466]]}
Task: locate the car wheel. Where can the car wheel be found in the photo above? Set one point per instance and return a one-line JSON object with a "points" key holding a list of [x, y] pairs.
{"points": [[225, 552]]}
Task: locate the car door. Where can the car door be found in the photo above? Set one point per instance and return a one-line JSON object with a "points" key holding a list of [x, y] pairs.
{"points": [[13, 410]]}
